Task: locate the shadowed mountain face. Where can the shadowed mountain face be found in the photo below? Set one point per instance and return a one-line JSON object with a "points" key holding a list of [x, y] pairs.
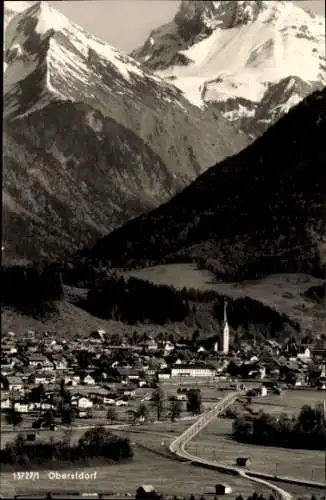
{"points": [[92, 138], [70, 174], [259, 212]]}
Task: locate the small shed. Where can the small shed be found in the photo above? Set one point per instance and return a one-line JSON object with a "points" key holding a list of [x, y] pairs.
{"points": [[146, 491], [223, 489], [243, 461], [31, 437], [263, 391]]}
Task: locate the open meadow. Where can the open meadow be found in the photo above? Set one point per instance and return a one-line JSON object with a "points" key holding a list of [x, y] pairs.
{"points": [[169, 476], [290, 401], [153, 464], [215, 441], [283, 292]]}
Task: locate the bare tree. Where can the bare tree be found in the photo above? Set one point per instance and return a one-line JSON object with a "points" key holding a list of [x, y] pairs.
{"points": [[175, 408], [158, 402], [13, 417], [111, 414]]}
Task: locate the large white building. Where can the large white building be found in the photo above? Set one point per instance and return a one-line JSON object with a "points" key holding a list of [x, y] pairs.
{"points": [[192, 371]]}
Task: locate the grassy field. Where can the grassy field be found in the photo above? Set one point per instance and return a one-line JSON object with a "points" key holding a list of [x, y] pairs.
{"points": [[167, 475], [215, 441], [280, 291], [302, 492], [288, 402], [152, 463]]}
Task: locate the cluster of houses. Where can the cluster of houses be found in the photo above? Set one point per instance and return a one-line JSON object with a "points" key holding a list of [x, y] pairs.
{"points": [[99, 372]]}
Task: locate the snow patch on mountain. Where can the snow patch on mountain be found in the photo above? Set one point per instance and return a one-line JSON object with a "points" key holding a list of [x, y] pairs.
{"points": [[49, 19], [242, 61], [94, 121], [240, 112], [292, 101]]}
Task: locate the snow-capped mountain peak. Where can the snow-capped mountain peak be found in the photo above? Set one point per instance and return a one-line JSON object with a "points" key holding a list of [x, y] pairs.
{"points": [[68, 62], [92, 136], [48, 18], [219, 50]]}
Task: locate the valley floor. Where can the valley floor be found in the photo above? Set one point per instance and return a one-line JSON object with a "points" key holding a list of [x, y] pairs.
{"points": [[153, 464], [150, 465]]}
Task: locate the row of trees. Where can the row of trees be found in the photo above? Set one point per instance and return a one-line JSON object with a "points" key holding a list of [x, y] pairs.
{"points": [[174, 409], [132, 300], [244, 310], [95, 443], [34, 289], [31, 289], [307, 430]]}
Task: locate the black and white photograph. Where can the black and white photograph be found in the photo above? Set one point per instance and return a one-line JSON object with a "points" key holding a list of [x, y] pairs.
{"points": [[163, 250]]}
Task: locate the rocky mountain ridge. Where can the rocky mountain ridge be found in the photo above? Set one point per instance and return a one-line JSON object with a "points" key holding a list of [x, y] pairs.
{"points": [[109, 138], [236, 56]]}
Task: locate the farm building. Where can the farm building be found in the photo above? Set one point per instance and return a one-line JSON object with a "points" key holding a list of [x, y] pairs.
{"points": [[223, 489], [30, 437], [15, 383], [146, 491], [164, 374], [89, 380], [84, 403], [263, 391], [304, 353], [98, 335], [243, 461]]}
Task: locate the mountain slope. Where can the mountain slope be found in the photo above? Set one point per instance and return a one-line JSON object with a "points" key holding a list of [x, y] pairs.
{"points": [[95, 119], [76, 66], [230, 55], [77, 175], [262, 211]]}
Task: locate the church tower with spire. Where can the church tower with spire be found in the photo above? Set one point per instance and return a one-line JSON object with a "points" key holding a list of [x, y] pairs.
{"points": [[226, 331]]}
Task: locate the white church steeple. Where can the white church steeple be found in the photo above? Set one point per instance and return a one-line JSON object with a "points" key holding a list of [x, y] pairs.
{"points": [[226, 332]]}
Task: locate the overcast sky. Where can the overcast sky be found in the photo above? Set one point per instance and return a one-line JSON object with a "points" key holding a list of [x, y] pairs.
{"points": [[125, 24]]}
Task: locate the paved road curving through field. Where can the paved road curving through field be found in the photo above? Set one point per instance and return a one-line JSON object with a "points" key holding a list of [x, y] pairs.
{"points": [[177, 447]]}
